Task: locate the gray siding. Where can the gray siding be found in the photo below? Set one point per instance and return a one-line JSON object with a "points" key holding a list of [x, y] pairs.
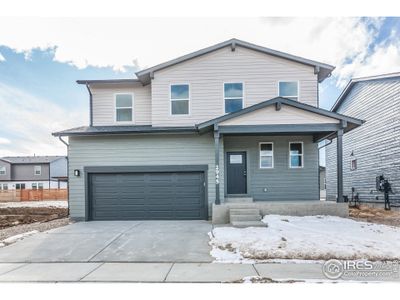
{"points": [[58, 168], [375, 145], [259, 72], [137, 151], [282, 182], [26, 172], [7, 176]]}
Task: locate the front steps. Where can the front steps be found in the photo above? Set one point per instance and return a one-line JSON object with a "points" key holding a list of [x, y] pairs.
{"points": [[239, 200], [243, 216]]}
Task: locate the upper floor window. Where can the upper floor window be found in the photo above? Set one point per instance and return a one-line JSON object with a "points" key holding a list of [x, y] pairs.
{"points": [[233, 97], [123, 107], [289, 89], [38, 170], [266, 155], [3, 170], [179, 99], [296, 154]]}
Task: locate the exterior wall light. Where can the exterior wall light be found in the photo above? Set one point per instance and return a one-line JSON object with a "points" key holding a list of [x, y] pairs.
{"points": [[77, 173]]}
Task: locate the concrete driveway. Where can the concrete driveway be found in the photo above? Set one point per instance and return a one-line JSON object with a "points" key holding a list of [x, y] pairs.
{"points": [[115, 241]]}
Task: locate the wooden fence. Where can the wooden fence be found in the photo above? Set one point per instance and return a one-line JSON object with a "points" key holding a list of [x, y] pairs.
{"points": [[33, 195]]}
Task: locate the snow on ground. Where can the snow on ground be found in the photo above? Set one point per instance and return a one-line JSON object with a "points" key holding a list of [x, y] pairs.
{"points": [[15, 238], [34, 204], [306, 238]]}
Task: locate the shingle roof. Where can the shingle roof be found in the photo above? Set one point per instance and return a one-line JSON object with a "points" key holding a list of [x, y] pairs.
{"points": [[30, 159], [95, 130]]}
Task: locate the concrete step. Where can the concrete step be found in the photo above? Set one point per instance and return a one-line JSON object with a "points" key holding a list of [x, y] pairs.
{"points": [[239, 200], [242, 224], [234, 218], [244, 211]]}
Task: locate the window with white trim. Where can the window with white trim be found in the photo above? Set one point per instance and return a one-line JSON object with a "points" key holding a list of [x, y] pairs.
{"points": [[37, 170], [289, 89], [296, 155], [179, 98], [20, 186], [233, 97], [4, 187], [123, 108], [34, 186], [266, 155], [40, 186], [3, 170]]}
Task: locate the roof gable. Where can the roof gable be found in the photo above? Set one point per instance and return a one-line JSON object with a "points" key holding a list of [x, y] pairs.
{"points": [[323, 70], [278, 101], [353, 81]]}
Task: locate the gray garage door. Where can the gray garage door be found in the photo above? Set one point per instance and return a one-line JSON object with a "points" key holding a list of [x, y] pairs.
{"points": [[147, 196]]}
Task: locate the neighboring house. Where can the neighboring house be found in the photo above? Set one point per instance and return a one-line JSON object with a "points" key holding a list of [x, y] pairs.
{"points": [[33, 172], [231, 122], [322, 182], [374, 148]]}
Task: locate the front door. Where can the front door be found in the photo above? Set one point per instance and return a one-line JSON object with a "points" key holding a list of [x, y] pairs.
{"points": [[236, 172]]}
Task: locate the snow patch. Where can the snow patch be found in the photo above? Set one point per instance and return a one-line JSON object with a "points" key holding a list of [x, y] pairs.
{"points": [[305, 238], [15, 238], [60, 204]]}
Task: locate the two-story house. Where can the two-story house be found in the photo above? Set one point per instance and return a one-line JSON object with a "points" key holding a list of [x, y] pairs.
{"points": [[372, 149], [231, 123], [33, 172]]}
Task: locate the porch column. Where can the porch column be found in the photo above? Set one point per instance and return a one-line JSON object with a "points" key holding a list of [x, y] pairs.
{"points": [[216, 147], [340, 165]]}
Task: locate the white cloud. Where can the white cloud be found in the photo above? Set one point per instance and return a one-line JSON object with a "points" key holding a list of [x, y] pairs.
{"points": [[2, 57], [4, 141], [28, 121], [123, 41]]}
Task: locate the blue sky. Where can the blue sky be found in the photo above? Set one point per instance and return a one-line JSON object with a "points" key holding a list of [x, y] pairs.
{"points": [[40, 62]]}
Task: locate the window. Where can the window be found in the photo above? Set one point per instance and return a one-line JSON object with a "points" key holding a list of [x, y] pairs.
{"points": [[266, 155], [289, 89], [3, 170], [123, 108], [180, 98], [38, 170], [353, 164], [296, 154], [4, 187], [233, 97], [34, 186], [20, 186], [40, 186]]}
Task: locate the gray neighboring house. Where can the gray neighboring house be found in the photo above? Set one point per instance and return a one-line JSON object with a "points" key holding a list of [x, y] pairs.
{"points": [[33, 172], [229, 124], [374, 148]]}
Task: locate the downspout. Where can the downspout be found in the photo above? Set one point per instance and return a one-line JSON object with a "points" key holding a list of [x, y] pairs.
{"points": [[66, 144], [90, 105]]}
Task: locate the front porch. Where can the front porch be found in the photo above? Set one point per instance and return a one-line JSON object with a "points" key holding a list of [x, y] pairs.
{"points": [[268, 156], [221, 212]]}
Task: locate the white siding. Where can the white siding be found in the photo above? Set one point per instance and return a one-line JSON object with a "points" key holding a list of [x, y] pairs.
{"points": [[104, 103], [286, 115], [206, 74]]}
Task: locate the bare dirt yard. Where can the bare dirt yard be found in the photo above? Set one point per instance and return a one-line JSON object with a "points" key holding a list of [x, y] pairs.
{"points": [[13, 216], [376, 215]]}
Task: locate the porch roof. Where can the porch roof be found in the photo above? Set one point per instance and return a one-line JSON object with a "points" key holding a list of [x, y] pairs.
{"points": [[318, 129]]}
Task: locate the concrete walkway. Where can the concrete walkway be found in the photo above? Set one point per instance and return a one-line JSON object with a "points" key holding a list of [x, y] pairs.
{"points": [[164, 272], [152, 272]]}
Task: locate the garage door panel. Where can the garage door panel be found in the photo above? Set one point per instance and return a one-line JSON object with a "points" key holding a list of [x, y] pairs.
{"points": [[147, 196]]}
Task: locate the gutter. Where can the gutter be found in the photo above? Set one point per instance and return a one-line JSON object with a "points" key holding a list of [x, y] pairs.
{"points": [[90, 105]]}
